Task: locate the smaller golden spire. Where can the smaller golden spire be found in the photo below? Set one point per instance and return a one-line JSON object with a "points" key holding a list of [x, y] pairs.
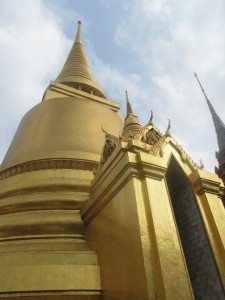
{"points": [[132, 126], [129, 108]]}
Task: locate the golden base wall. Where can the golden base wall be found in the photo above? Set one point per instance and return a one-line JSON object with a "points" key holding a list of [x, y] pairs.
{"points": [[43, 251]]}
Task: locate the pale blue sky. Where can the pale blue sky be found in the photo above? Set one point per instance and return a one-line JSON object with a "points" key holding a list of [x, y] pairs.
{"points": [[149, 47]]}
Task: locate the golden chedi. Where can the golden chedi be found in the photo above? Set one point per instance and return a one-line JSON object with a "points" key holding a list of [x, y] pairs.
{"points": [[45, 180], [96, 208]]}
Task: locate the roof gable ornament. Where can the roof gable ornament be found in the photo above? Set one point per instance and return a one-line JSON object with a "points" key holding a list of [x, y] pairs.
{"points": [[151, 119], [148, 139]]}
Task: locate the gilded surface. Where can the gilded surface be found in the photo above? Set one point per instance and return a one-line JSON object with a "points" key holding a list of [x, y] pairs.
{"points": [[62, 225], [128, 168], [110, 211], [41, 234], [44, 183], [76, 71], [57, 127]]}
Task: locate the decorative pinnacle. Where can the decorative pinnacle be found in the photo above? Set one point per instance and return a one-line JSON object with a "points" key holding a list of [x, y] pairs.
{"points": [[201, 167], [151, 118], [168, 129], [78, 38], [129, 108]]}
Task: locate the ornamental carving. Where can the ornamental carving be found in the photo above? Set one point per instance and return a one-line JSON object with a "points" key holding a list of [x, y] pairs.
{"points": [[49, 164], [151, 137], [111, 143], [204, 185]]}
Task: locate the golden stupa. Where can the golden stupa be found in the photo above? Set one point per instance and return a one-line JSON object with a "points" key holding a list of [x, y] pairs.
{"points": [[94, 207]]}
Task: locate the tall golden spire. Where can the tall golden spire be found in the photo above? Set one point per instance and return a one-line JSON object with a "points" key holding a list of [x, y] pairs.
{"points": [[76, 71]]}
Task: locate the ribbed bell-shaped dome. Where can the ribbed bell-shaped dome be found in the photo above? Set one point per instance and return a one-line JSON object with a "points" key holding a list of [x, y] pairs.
{"points": [[63, 127], [76, 71]]}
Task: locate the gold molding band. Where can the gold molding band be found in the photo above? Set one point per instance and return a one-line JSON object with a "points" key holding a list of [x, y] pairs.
{"points": [[48, 165], [204, 185]]}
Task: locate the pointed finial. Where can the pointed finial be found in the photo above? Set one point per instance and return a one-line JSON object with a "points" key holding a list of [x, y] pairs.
{"points": [[132, 125], [201, 167], [218, 123], [168, 129], [151, 118], [78, 38], [129, 108], [201, 86]]}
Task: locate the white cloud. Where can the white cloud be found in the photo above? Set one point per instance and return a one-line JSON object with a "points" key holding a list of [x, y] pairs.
{"points": [[168, 41], [115, 82], [171, 40], [32, 47]]}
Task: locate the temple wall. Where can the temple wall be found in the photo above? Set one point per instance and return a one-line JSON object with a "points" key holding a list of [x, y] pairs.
{"points": [[201, 265], [115, 234], [130, 225]]}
